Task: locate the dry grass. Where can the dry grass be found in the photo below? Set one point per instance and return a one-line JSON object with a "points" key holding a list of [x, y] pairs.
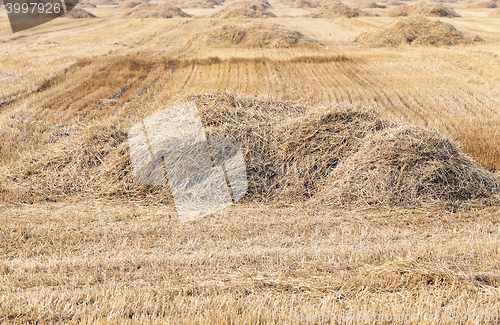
{"points": [[417, 31], [424, 8]]}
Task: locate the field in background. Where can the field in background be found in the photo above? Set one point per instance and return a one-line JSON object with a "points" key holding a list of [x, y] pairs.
{"points": [[123, 261]]}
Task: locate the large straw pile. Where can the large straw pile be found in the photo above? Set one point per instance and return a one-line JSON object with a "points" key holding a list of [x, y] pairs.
{"points": [[153, 10], [254, 34], [245, 9], [407, 166], [343, 155], [417, 31], [337, 9], [424, 8]]}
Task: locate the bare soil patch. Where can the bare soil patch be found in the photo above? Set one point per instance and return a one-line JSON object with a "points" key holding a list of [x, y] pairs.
{"points": [[153, 10], [424, 8]]}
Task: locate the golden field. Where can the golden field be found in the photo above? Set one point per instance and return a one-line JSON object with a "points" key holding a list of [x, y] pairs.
{"points": [[76, 252]]}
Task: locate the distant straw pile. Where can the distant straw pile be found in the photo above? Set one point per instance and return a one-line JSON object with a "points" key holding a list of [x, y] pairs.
{"points": [[259, 34], [245, 9], [417, 31], [127, 5], [205, 4], [424, 8], [153, 10], [365, 4], [337, 9], [342, 155], [483, 5], [77, 13]]}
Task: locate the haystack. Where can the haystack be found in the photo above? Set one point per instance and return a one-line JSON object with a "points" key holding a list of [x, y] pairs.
{"points": [[483, 5], [338, 9], [258, 34], [365, 4], [340, 155], [245, 9], [153, 10], [77, 13], [417, 31], [424, 8], [127, 5], [407, 166]]}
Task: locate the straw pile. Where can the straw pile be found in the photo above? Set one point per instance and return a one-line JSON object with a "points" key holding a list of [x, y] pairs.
{"points": [[393, 3], [293, 153], [407, 166], [306, 4], [424, 8], [85, 5], [245, 9], [258, 34], [368, 5], [77, 13], [153, 10], [127, 5], [203, 4], [483, 5], [417, 31], [102, 2], [338, 9]]}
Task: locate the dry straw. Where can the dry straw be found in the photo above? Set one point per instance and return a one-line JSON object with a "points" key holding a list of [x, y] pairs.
{"points": [[343, 155]]}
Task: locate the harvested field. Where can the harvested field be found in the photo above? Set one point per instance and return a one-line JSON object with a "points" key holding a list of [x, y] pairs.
{"points": [[153, 10], [245, 9], [373, 173], [424, 8], [252, 35], [417, 31], [77, 13]]}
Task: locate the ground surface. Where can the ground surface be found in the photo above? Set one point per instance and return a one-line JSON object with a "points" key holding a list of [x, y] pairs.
{"points": [[131, 262]]}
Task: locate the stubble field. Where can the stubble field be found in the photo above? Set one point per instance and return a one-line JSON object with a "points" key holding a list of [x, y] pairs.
{"points": [[99, 249]]}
